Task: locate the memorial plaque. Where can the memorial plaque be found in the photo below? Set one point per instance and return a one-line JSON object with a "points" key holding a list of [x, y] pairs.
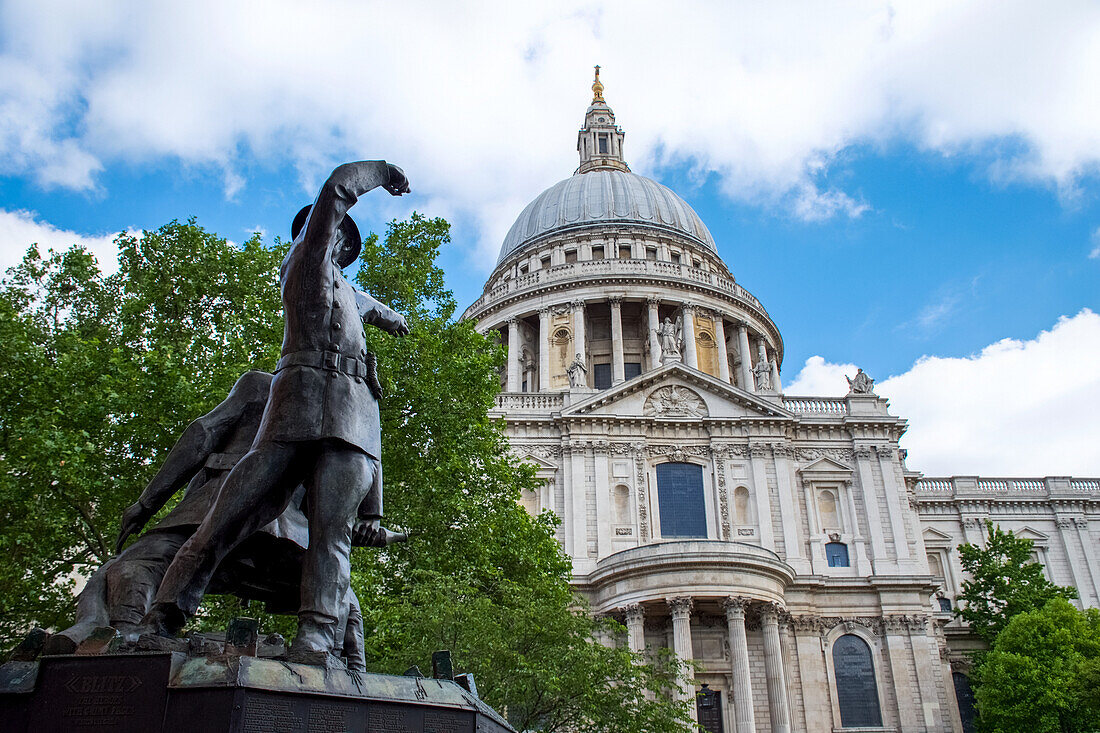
{"points": [[856, 691], [385, 718], [101, 693], [448, 721]]}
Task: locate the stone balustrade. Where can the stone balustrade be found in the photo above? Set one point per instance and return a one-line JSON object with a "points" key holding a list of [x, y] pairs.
{"points": [[816, 405], [941, 486], [611, 267], [530, 401]]}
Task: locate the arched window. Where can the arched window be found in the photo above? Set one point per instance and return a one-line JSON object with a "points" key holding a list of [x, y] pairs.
{"points": [[856, 690], [836, 554], [680, 500]]}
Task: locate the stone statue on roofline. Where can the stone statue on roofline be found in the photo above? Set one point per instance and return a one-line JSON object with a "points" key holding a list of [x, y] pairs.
{"points": [[762, 373], [860, 383]]}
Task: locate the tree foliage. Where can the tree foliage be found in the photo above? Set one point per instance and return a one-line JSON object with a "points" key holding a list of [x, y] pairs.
{"points": [[1042, 673], [1004, 582], [100, 374]]}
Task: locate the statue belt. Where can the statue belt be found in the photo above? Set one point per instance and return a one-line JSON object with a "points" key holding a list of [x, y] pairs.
{"points": [[334, 361]]}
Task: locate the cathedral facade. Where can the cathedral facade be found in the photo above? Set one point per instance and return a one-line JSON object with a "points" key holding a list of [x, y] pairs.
{"points": [[777, 542]]}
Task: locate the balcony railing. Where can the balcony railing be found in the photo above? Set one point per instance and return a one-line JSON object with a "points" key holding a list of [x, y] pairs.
{"points": [[530, 401], [592, 268]]}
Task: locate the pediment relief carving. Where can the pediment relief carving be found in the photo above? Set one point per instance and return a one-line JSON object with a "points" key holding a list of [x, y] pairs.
{"points": [[675, 401]]}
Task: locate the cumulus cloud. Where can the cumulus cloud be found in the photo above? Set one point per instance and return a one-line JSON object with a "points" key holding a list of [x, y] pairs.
{"points": [[1024, 408], [20, 229], [480, 101]]}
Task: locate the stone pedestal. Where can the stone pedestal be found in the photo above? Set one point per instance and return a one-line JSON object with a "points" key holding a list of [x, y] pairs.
{"points": [[169, 692]]}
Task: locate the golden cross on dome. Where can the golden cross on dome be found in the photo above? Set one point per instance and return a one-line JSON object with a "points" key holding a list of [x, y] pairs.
{"points": [[597, 87]]}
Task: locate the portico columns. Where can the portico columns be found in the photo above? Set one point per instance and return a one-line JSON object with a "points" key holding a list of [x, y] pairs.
{"points": [[512, 384], [681, 640], [691, 357], [747, 382], [635, 627], [544, 349], [618, 373], [773, 670], [580, 341], [739, 666], [723, 355], [654, 324]]}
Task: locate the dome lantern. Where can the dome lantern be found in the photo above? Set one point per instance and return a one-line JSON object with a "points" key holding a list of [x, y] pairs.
{"points": [[600, 141]]}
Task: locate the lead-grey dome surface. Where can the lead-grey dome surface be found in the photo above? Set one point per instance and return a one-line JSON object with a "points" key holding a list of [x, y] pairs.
{"points": [[605, 197]]}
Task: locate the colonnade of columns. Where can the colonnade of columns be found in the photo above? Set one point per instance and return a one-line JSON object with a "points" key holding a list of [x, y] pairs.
{"points": [[689, 353], [741, 692]]}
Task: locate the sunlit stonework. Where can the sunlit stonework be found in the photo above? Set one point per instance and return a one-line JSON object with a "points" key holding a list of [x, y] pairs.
{"points": [[777, 541]]}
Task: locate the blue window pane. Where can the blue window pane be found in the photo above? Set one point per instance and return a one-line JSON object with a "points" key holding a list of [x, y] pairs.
{"points": [[945, 604], [632, 369], [836, 554], [680, 500], [601, 376], [856, 692]]}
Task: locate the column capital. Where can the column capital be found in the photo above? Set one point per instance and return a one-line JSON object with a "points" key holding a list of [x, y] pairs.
{"points": [[735, 607], [511, 320], [653, 301], [545, 311], [577, 305], [688, 307], [616, 301], [770, 612], [634, 613], [680, 607]]}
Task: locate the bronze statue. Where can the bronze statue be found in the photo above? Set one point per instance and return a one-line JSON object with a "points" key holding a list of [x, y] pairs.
{"points": [[265, 567], [320, 427]]}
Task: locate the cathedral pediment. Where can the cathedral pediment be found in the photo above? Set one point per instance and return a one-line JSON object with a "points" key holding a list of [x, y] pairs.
{"points": [[676, 392], [826, 469]]}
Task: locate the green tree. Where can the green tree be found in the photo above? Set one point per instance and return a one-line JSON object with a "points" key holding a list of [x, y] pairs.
{"points": [[1042, 673], [479, 576], [1004, 582]]}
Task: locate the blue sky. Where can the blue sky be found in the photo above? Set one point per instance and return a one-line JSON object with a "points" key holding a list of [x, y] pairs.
{"points": [[903, 185]]}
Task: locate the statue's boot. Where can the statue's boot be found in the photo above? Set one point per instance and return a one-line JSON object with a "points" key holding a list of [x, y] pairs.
{"points": [[313, 643], [163, 619], [91, 614]]}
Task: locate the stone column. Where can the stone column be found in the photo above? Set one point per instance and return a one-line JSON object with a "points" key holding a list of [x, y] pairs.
{"points": [[739, 665], [618, 373], [896, 657], [512, 385], [897, 503], [580, 340], [773, 670], [544, 349], [681, 640], [924, 652], [723, 355], [747, 382], [654, 324], [691, 357], [880, 561], [635, 627]]}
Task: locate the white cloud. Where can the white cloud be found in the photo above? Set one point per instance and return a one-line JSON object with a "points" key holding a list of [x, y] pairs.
{"points": [[20, 229], [1095, 253], [1023, 408], [480, 101]]}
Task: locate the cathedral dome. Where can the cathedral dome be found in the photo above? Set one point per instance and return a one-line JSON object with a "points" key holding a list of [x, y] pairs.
{"points": [[605, 196]]}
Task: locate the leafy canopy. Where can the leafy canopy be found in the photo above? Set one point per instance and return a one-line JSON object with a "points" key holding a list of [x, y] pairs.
{"points": [[1004, 582], [1042, 673]]}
